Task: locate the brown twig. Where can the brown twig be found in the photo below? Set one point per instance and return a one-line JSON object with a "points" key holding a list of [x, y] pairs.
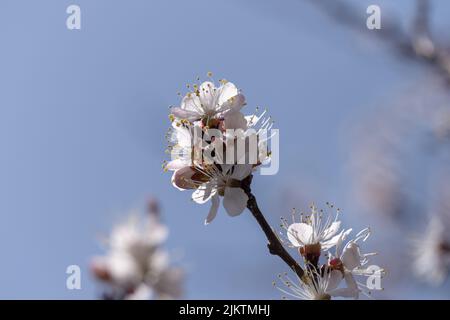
{"points": [[274, 244], [419, 45]]}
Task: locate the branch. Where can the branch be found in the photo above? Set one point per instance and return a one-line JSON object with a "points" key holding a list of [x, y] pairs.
{"points": [[419, 45], [274, 244]]}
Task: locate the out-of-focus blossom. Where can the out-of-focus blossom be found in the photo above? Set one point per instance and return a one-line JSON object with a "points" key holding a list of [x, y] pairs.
{"points": [[431, 253], [136, 266]]}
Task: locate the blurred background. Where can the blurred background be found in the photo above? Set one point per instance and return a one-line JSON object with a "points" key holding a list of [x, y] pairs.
{"points": [[364, 123]]}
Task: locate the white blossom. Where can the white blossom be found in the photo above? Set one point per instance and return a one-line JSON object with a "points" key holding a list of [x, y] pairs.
{"points": [[327, 275], [208, 102], [351, 262], [136, 265], [431, 253], [316, 231], [214, 177], [314, 285]]}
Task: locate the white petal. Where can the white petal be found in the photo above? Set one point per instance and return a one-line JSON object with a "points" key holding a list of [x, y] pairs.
{"points": [[351, 257], [177, 164], [124, 269], [241, 171], [191, 103], [234, 104], [352, 286], [235, 120], [331, 230], [203, 193], [142, 292], [234, 201], [208, 93], [226, 91], [215, 202], [344, 292], [328, 244], [183, 135], [185, 114], [181, 179], [340, 240], [299, 234], [334, 280]]}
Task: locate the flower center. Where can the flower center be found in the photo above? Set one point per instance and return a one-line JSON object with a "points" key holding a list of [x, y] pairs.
{"points": [[336, 264], [323, 296], [311, 249]]}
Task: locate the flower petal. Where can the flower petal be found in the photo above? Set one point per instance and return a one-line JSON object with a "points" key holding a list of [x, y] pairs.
{"points": [[215, 202], [207, 95], [185, 114], [351, 256], [226, 92], [334, 280], [182, 178], [331, 230], [235, 120], [234, 201], [299, 234], [241, 171], [176, 164], [340, 240], [191, 103], [234, 104], [203, 193]]}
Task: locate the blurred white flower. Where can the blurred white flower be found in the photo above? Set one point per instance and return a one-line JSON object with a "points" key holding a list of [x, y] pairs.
{"points": [[431, 253], [136, 265], [208, 102]]}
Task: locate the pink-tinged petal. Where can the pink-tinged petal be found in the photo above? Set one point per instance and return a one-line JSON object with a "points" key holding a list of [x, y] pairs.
{"points": [[182, 178], [185, 114], [344, 292], [235, 120], [352, 286], [234, 104], [176, 164], [241, 171], [299, 234], [191, 103], [335, 278], [215, 202], [351, 257], [207, 95], [234, 201]]}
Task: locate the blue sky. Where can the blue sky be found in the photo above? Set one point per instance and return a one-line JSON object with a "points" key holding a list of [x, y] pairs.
{"points": [[83, 116]]}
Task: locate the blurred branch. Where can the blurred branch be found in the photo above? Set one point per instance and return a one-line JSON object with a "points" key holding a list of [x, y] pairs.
{"points": [[419, 45], [274, 244]]}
